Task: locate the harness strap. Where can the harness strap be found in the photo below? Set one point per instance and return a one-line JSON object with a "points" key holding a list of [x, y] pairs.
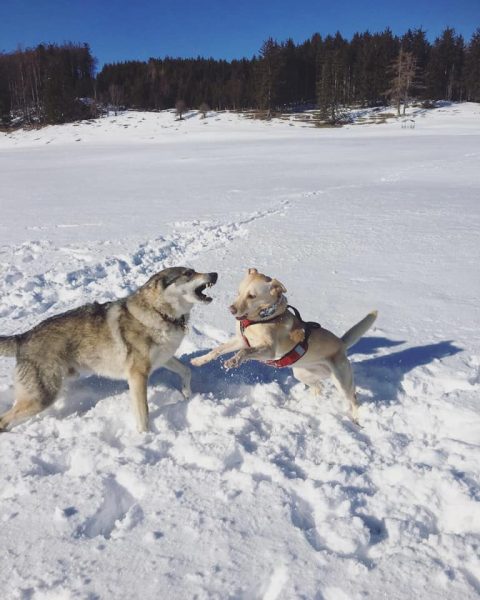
{"points": [[296, 352], [296, 312], [291, 357]]}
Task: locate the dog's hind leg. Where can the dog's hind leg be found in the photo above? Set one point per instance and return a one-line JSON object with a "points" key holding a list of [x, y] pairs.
{"points": [[342, 374], [176, 366], [33, 393], [137, 382], [312, 378], [24, 407]]}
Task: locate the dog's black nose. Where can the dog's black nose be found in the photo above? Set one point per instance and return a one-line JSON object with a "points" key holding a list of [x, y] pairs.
{"points": [[213, 277]]}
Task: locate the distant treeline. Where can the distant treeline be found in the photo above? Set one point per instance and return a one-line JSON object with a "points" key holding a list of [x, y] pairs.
{"points": [[52, 84], [47, 84]]}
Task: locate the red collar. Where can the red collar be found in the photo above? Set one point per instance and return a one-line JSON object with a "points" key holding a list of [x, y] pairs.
{"points": [[244, 323]]}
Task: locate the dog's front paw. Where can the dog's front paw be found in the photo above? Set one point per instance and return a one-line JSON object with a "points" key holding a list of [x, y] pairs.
{"points": [[199, 361], [186, 392], [232, 363]]}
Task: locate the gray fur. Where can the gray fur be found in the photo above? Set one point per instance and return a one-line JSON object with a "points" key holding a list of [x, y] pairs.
{"points": [[8, 345], [124, 339]]}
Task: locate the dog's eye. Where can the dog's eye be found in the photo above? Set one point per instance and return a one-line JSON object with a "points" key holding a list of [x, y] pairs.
{"points": [[189, 273], [251, 296]]}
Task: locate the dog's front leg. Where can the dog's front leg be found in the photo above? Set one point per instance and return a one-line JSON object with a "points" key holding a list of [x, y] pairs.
{"points": [[137, 382], [260, 353], [231, 346], [174, 365]]}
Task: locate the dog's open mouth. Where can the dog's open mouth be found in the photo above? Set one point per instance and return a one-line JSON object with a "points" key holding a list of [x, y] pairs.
{"points": [[199, 292]]}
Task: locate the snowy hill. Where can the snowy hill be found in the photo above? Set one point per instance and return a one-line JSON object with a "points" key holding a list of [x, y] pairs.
{"points": [[253, 488]]}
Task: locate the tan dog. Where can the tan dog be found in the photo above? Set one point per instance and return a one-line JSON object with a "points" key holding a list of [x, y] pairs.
{"points": [[267, 331]]}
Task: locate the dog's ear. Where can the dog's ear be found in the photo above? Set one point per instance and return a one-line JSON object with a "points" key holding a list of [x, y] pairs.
{"points": [[277, 288], [252, 271], [155, 282], [169, 276]]}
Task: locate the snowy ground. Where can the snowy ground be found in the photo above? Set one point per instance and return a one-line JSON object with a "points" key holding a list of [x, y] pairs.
{"points": [[252, 489]]}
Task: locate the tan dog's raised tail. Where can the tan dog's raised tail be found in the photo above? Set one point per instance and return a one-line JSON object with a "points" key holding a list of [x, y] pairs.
{"points": [[273, 332]]}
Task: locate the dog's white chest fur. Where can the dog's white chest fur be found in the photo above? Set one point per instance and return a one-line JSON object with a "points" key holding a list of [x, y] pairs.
{"points": [[166, 343]]}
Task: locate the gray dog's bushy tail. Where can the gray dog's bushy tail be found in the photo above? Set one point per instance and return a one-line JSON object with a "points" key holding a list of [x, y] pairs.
{"points": [[352, 336], [8, 345]]}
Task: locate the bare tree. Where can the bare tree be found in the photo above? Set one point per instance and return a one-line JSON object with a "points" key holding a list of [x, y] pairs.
{"points": [[115, 93], [180, 109], [404, 69], [203, 109]]}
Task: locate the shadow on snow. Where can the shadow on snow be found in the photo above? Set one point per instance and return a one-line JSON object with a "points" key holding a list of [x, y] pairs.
{"points": [[382, 375]]}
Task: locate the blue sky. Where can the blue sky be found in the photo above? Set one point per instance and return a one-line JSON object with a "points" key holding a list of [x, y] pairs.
{"points": [[135, 29]]}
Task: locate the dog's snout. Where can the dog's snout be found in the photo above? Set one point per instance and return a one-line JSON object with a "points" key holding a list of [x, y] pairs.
{"points": [[213, 277], [232, 309]]}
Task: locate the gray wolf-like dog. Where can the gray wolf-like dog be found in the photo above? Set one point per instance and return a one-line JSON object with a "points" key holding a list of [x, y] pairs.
{"points": [[124, 339]]}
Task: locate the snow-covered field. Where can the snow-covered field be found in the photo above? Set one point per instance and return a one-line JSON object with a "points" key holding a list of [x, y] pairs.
{"points": [[253, 489]]}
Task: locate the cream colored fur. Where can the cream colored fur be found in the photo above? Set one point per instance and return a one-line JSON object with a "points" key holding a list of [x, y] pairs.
{"points": [[326, 355]]}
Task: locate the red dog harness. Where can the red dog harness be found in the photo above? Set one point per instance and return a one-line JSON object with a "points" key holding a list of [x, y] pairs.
{"points": [[296, 352]]}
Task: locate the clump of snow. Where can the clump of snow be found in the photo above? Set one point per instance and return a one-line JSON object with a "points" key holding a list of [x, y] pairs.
{"points": [[253, 488]]}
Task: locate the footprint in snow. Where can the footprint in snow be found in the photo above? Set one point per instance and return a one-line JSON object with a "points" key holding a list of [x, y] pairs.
{"points": [[118, 511]]}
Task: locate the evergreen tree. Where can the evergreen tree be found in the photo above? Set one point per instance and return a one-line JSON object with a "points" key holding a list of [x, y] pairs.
{"points": [[4, 92], [472, 68], [269, 67], [330, 82], [415, 42], [444, 69]]}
